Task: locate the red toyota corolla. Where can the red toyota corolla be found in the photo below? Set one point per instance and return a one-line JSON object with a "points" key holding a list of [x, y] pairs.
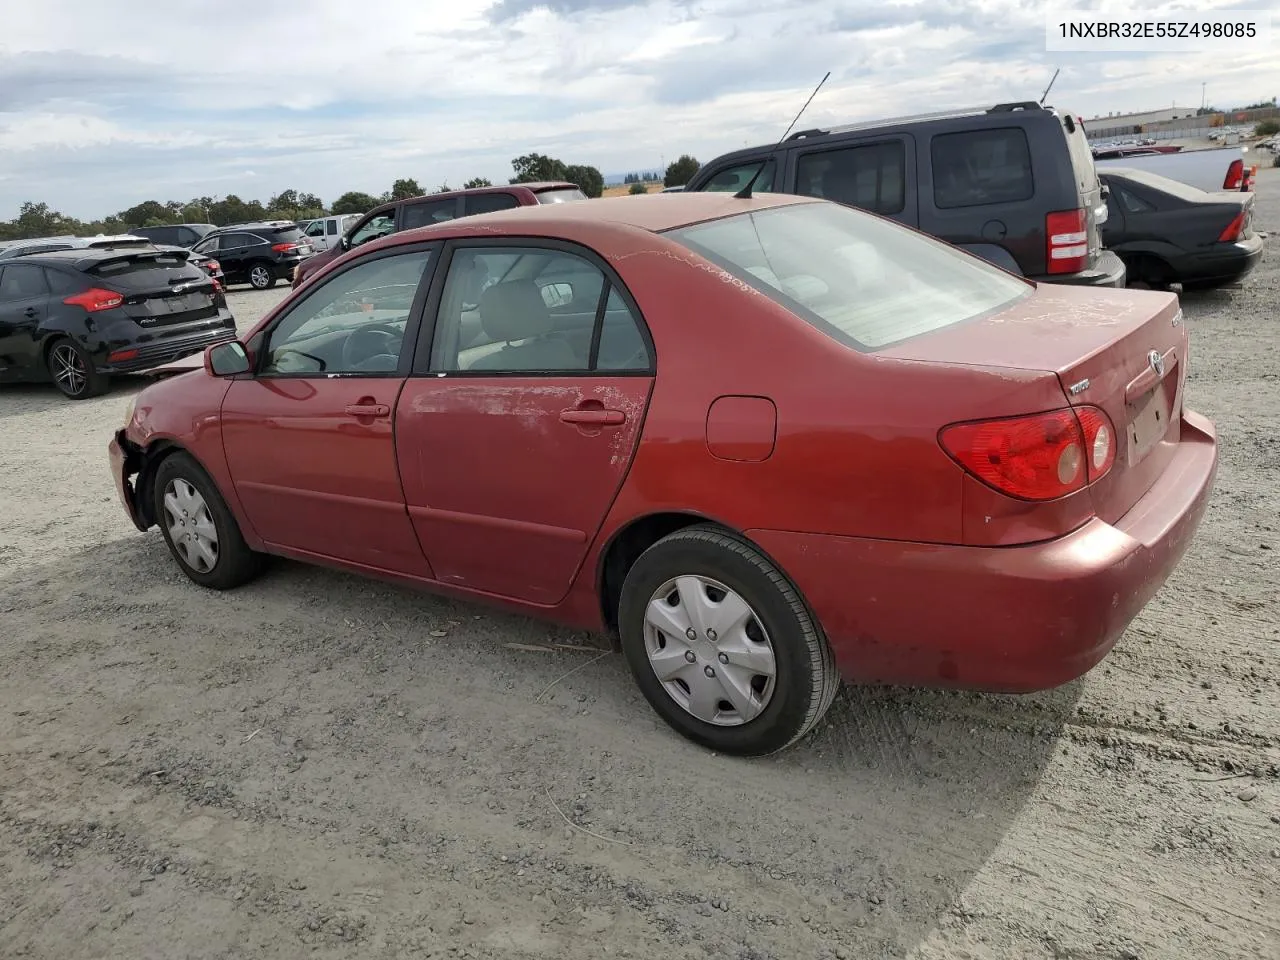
{"points": [[772, 442]]}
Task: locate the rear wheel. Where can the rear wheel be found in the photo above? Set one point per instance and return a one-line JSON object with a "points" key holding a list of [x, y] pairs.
{"points": [[262, 276], [1149, 273], [721, 644], [198, 527], [73, 371]]}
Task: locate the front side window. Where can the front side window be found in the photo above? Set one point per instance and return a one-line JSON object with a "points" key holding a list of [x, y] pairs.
{"points": [[733, 179], [872, 176], [865, 282], [425, 214], [533, 310], [981, 167], [353, 323], [380, 226]]}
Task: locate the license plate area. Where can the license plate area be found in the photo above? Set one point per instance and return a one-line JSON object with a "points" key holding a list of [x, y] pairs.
{"points": [[1151, 416]]}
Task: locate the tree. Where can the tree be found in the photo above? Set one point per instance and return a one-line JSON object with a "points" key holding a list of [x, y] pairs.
{"points": [[1267, 128], [443, 188], [406, 188], [533, 167], [284, 200], [680, 171], [354, 202], [146, 212], [588, 179], [475, 182], [638, 188]]}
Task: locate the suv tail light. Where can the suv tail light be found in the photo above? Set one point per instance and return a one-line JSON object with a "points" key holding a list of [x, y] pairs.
{"points": [[283, 247], [1043, 456], [1234, 229], [1235, 176], [1067, 246], [94, 299], [212, 266]]}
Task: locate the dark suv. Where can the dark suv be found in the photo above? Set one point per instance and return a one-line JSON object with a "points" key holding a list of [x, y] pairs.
{"points": [[1013, 183], [179, 234], [436, 208], [257, 253]]}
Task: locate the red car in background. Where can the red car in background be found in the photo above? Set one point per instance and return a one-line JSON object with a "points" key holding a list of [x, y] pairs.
{"points": [[771, 442], [397, 215]]}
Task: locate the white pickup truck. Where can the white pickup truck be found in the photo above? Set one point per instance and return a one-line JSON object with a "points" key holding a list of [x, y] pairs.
{"points": [[1212, 170]]}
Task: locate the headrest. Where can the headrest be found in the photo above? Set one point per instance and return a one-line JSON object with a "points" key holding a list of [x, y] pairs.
{"points": [[514, 310]]}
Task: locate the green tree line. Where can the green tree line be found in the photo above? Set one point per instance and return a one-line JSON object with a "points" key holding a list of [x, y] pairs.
{"points": [[39, 220]]}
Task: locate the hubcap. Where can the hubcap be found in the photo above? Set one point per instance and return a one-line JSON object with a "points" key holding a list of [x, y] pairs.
{"points": [[709, 650], [68, 370], [191, 527]]}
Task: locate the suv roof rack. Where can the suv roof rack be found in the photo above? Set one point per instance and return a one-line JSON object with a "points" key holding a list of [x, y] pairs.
{"points": [[917, 117]]}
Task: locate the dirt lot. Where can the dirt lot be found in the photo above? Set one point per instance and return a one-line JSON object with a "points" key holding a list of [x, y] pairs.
{"points": [[321, 764]]}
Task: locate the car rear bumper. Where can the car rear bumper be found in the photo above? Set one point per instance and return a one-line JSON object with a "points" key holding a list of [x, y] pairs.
{"points": [[125, 460], [1108, 272], [1226, 262], [158, 352], [1009, 619]]}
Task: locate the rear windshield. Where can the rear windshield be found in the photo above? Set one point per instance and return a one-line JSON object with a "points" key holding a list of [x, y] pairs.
{"points": [[146, 273], [865, 281], [283, 234], [562, 195]]}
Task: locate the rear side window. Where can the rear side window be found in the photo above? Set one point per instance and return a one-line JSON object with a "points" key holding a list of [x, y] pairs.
{"points": [[864, 281], [20, 281], [331, 227], [980, 167], [872, 176], [62, 283], [562, 195], [146, 273], [425, 214], [489, 202]]}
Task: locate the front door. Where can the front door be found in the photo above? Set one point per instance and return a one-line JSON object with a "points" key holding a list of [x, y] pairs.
{"points": [[516, 431], [309, 436], [24, 304]]}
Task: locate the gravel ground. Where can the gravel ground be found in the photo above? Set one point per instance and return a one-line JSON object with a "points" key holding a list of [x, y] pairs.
{"points": [[320, 763]]}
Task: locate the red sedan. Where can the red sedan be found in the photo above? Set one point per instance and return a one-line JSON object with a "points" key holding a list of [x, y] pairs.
{"points": [[771, 442]]}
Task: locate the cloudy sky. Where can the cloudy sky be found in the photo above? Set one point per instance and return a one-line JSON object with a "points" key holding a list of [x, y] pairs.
{"points": [[104, 105]]}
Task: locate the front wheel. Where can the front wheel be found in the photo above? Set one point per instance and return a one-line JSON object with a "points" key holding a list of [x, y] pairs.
{"points": [[262, 276], [721, 644], [200, 530]]}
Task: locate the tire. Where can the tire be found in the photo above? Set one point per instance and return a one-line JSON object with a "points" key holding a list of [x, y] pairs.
{"points": [[703, 561], [230, 563], [1149, 273], [262, 275], [73, 371]]}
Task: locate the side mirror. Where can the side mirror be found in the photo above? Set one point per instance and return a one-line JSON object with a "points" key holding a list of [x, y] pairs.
{"points": [[345, 242], [226, 359]]}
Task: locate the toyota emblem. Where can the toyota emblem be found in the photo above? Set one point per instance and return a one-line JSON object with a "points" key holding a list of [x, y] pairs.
{"points": [[1157, 362]]}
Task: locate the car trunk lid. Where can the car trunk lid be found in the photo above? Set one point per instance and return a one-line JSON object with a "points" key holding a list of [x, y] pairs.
{"points": [[161, 288], [1124, 351]]}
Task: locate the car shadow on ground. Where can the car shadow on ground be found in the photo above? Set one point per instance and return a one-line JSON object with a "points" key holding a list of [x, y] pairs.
{"points": [[437, 714]]}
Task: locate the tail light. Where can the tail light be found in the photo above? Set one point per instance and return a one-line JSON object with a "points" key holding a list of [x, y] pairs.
{"points": [[1043, 456], [121, 355], [217, 285], [1235, 176], [213, 266], [1234, 229], [1067, 236], [283, 247], [95, 299]]}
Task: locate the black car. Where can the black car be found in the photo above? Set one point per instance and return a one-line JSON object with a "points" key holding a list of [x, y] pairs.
{"points": [[1013, 183], [1167, 232], [257, 253], [178, 234], [77, 316]]}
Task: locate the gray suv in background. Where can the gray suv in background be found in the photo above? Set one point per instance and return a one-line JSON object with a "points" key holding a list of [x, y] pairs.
{"points": [[1013, 183]]}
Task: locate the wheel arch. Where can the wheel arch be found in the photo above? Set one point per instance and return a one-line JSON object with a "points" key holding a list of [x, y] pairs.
{"points": [[154, 454]]}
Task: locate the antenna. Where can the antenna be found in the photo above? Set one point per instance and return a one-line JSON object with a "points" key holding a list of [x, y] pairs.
{"points": [[745, 192], [1050, 86]]}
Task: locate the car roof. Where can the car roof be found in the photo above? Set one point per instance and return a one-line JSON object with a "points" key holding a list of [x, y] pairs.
{"points": [[257, 225], [81, 258], [654, 212]]}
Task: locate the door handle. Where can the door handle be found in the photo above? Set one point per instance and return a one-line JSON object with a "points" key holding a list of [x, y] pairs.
{"points": [[595, 417], [368, 409]]}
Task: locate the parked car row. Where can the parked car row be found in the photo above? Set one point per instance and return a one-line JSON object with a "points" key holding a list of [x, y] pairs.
{"points": [[744, 434]]}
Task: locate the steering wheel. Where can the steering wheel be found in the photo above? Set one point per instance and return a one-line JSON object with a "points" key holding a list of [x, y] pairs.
{"points": [[367, 342]]}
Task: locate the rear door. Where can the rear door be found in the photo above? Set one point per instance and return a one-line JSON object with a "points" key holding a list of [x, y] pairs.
{"points": [[519, 424], [24, 305], [877, 174]]}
